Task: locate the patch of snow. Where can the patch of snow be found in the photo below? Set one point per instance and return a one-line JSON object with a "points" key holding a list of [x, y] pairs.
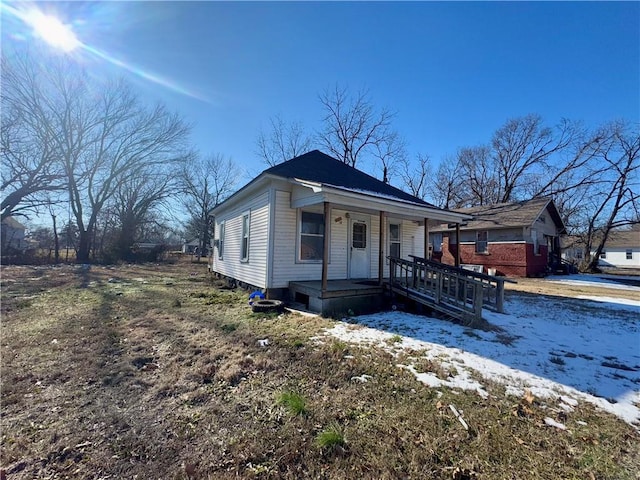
{"points": [[594, 281], [613, 302], [364, 378], [566, 408], [552, 423], [569, 401], [554, 347]]}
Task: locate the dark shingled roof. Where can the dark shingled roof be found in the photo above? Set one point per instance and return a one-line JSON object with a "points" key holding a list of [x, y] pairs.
{"points": [[508, 215], [318, 167], [616, 239]]}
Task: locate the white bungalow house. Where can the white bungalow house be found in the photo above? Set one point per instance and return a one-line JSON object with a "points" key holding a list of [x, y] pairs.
{"points": [[311, 228], [621, 250]]}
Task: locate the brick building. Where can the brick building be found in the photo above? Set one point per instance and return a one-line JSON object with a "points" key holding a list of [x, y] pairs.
{"points": [[514, 239]]}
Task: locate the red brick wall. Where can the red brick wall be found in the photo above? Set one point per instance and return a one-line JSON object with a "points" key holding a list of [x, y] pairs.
{"points": [[509, 259]]}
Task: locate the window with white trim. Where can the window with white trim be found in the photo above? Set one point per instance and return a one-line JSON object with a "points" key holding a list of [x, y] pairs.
{"points": [[244, 248], [482, 241], [394, 240], [603, 254], [221, 241], [311, 230], [629, 253]]}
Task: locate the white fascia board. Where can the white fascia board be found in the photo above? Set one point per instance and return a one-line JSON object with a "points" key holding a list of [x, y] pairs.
{"points": [[259, 182]]}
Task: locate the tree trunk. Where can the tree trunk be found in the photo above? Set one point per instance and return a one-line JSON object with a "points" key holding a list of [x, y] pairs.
{"points": [[56, 240], [84, 246]]}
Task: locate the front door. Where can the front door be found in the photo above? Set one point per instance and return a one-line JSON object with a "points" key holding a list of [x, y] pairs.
{"points": [[359, 251]]}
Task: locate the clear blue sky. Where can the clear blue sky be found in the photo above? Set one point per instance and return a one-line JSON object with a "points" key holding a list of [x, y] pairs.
{"points": [[453, 72]]}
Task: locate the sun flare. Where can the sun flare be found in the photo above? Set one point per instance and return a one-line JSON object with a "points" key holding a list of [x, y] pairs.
{"points": [[52, 30]]}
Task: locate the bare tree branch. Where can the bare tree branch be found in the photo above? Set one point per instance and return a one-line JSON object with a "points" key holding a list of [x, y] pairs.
{"points": [[282, 142], [352, 127]]}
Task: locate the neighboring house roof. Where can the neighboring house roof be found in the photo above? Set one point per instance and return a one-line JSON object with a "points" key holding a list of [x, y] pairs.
{"points": [[319, 167], [617, 239], [623, 239], [508, 215], [13, 223]]}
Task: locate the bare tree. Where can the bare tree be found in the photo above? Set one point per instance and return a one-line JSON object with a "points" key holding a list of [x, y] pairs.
{"points": [[206, 182], [479, 175], [521, 147], [30, 167], [416, 177], [352, 127], [448, 187], [282, 142], [100, 131], [136, 206], [614, 201], [390, 154]]}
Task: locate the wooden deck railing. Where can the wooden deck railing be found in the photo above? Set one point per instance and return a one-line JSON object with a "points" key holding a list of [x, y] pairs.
{"points": [[460, 292]]}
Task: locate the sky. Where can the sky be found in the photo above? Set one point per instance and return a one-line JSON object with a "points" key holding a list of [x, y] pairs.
{"points": [[570, 351], [453, 72]]}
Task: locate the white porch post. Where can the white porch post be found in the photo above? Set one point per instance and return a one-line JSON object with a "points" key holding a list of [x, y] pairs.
{"points": [[426, 239], [381, 248], [325, 252], [458, 246]]}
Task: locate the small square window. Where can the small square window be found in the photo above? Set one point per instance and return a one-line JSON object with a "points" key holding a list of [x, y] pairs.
{"points": [[629, 254], [482, 241]]}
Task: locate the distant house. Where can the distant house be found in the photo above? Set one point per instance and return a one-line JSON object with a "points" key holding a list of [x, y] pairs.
{"points": [[621, 250], [191, 246], [316, 219], [513, 239], [12, 236]]}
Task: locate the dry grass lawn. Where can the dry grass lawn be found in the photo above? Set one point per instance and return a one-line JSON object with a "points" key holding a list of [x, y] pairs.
{"points": [[154, 371]]}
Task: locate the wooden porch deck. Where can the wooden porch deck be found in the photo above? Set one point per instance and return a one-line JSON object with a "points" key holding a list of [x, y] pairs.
{"points": [[457, 292]]}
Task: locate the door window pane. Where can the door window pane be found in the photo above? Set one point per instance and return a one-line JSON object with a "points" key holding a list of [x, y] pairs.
{"points": [[359, 237]]}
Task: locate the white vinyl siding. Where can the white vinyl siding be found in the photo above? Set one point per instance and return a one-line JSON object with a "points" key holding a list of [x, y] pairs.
{"points": [[285, 242], [286, 266], [619, 257], [253, 270]]}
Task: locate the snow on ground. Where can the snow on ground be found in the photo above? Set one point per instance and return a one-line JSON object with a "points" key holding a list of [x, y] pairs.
{"points": [[573, 349], [595, 280]]}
